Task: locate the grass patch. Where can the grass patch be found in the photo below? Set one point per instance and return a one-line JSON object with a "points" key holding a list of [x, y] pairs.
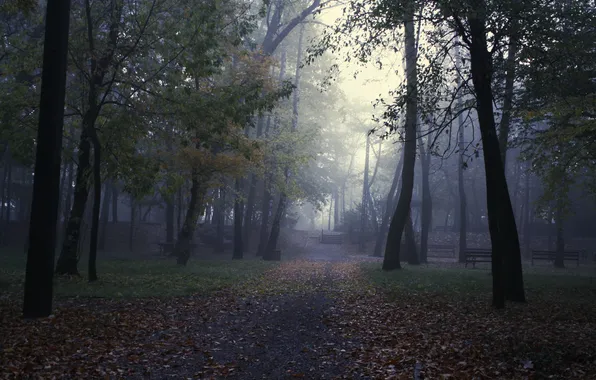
{"points": [[139, 278], [462, 283]]}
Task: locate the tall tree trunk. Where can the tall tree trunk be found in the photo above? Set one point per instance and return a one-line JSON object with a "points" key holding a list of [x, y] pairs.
{"points": [[505, 124], [527, 212], [44, 209], [114, 204], [461, 187], [560, 242], [250, 201], [169, 220], [68, 200], [182, 248], [336, 221], [504, 238], [220, 221], [131, 234], [410, 240], [398, 223], [180, 206], [329, 215], [105, 211], [238, 207], [389, 210], [69, 256], [9, 194], [363, 214], [373, 213], [92, 267], [427, 207], [275, 224], [265, 209]]}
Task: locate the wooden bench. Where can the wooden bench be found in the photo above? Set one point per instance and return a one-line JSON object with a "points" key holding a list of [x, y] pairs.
{"points": [[331, 238], [168, 248], [441, 248], [551, 255], [478, 255]]}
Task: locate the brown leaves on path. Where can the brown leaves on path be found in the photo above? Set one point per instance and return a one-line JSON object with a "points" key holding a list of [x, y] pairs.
{"points": [[304, 319]]}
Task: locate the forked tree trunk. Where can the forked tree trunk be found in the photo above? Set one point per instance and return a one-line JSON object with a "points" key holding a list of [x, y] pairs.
{"points": [[69, 256], [182, 249], [504, 238], [389, 210]]}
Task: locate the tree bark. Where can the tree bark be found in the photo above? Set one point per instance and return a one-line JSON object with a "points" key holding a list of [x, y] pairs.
{"points": [[505, 123], [238, 208], [105, 210], [527, 212], [169, 220], [427, 207], [265, 209], [389, 210], [131, 234], [114, 204], [463, 205], [504, 237], [363, 215], [182, 248], [398, 223], [69, 256], [92, 267], [44, 209], [410, 240], [560, 241]]}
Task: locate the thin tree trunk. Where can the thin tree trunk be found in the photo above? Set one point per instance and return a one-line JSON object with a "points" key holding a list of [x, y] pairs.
{"points": [[410, 240], [105, 210], [427, 207], [265, 209], [131, 234], [398, 223], [169, 220], [238, 207], [114, 204], [560, 242], [527, 212], [463, 213], [92, 267], [504, 126], [363, 215]]}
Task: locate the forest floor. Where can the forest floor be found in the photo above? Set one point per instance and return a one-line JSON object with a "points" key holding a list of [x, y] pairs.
{"points": [[323, 316]]}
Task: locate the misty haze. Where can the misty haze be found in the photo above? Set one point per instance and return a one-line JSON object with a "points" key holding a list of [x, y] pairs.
{"points": [[280, 189]]}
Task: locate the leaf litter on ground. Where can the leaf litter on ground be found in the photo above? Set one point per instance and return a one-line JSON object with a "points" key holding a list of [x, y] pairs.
{"points": [[303, 319]]}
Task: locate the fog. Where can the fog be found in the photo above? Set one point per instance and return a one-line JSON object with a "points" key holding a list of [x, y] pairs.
{"points": [[279, 189]]}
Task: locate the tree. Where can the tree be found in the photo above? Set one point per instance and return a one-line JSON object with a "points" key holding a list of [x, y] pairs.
{"points": [[398, 223], [44, 209]]}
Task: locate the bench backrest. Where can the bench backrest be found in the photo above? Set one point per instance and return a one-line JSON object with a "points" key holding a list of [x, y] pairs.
{"points": [[331, 239], [551, 254], [441, 247], [478, 252]]}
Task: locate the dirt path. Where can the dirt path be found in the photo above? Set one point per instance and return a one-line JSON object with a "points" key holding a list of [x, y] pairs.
{"points": [[279, 329]]}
